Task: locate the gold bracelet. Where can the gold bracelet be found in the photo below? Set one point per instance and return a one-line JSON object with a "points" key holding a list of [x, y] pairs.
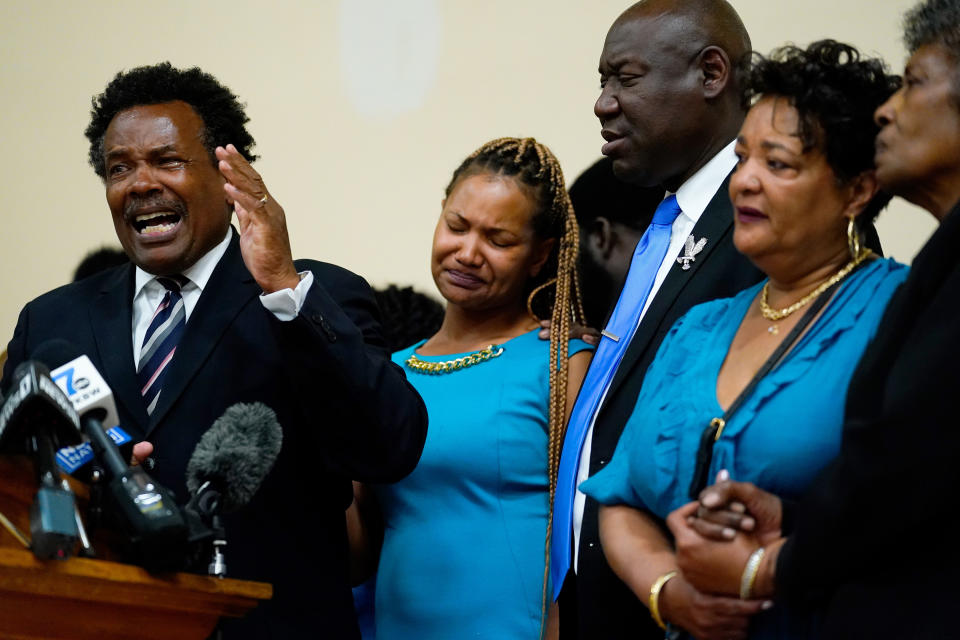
{"points": [[655, 598], [750, 571]]}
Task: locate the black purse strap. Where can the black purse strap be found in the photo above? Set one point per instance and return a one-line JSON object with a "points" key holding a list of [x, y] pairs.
{"points": [[712, 433]]}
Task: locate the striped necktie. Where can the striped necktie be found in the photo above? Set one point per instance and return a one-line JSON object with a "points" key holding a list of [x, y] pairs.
{"points": [[160, 340]]}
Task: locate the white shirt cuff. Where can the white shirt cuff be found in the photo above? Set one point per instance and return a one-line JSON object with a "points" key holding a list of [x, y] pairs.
{"points": [[286, 303]]}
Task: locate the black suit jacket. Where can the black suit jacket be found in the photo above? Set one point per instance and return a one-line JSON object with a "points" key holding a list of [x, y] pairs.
{"points": [[596, 604], [347, 413], [874, 544]]}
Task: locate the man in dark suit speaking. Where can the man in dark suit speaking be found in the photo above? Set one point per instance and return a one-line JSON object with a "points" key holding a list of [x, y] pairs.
{"points": [[206, 317]]}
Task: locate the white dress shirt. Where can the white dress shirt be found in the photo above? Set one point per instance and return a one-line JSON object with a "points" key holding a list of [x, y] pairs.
{"points": [[693, 196], [148, 293]]}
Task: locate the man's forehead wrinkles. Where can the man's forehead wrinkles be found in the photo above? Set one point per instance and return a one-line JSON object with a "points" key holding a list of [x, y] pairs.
{"points": [[616, 58], [123, 150], [163, 148]]}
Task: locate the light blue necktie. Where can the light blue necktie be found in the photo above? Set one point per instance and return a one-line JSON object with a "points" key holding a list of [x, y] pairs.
{"points": [[647, 258]]}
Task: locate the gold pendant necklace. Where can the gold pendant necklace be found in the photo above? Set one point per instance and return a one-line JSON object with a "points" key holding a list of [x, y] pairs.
{"points": [[449, 366], [779, 314]]}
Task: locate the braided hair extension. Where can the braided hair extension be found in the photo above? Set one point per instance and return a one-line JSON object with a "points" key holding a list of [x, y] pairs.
{"points": [[556, 290]]}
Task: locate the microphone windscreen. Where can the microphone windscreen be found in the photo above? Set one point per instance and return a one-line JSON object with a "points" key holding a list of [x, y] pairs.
{"points": [[236, 453]]}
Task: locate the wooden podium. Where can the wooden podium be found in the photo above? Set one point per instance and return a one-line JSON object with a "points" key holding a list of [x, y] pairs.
{"points": [[80, 599]]}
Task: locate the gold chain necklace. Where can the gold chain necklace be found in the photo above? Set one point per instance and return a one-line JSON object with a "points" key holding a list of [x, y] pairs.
{"points": [[449, 366], [779, 314]]}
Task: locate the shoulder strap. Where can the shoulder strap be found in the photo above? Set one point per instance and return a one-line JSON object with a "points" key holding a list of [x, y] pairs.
{"points": [[712, 432], [781, 349]]}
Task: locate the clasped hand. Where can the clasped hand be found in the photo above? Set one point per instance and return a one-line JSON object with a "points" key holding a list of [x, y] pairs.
{"points": [[715, 535]]}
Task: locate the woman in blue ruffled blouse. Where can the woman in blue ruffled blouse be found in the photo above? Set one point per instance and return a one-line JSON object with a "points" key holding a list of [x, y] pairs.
{"points": [[803, 189]]}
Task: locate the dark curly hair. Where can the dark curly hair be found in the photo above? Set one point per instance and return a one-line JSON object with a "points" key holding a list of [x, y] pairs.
{"points": [[408, 315], [835, 92], [222, 113]]}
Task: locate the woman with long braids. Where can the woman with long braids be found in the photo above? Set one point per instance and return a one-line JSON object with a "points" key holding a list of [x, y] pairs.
{"points": [[466, 534]]}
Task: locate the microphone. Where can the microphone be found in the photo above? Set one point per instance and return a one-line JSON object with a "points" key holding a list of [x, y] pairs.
{"points": [[34, 399], [147, 510], [89, 393], [228, 466], [236, 453], [37, 417]]}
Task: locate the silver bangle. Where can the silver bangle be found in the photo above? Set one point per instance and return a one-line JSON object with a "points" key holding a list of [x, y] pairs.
{"points": [[749, 576]]}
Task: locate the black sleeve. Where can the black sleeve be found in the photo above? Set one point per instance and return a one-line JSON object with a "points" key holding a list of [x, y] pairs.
{"points": [[879, 510], [788, 516], [15, 349], [373, 424]]}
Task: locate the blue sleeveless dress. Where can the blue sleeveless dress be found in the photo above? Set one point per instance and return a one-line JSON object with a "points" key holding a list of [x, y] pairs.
{"points": [[463, 550]]}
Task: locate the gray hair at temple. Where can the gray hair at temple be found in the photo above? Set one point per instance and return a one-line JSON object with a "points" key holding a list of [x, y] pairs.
{"points": [[934, 22]]}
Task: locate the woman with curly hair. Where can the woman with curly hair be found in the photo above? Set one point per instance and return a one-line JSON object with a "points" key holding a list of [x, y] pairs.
{"points": [[755, 384], [872, 543]]}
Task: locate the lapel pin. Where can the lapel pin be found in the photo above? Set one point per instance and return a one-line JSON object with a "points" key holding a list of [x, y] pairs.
{"points": [[690, 251]]}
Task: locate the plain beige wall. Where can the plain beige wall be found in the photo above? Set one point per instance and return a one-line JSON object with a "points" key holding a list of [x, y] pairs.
{"points": [[361, 109]]}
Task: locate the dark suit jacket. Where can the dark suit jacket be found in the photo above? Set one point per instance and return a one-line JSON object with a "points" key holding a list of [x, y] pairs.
{"points": [[874, 544], [604, 607], [346, 412]]}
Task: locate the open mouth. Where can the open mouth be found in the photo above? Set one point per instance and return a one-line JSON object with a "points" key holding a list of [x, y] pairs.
{"points": [[156, 223]]}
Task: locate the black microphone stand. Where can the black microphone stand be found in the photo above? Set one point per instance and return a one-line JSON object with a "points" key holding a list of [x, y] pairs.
{"points": [[53, 514], [206, 504]]}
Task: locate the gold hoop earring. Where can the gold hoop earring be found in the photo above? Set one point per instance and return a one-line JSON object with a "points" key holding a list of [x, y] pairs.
{"points": [[853, 239], [533, 294]]}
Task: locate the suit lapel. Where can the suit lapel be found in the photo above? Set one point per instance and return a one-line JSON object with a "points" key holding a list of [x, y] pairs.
{"points": [[111, 320], [714, 225], [229, 289]]}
